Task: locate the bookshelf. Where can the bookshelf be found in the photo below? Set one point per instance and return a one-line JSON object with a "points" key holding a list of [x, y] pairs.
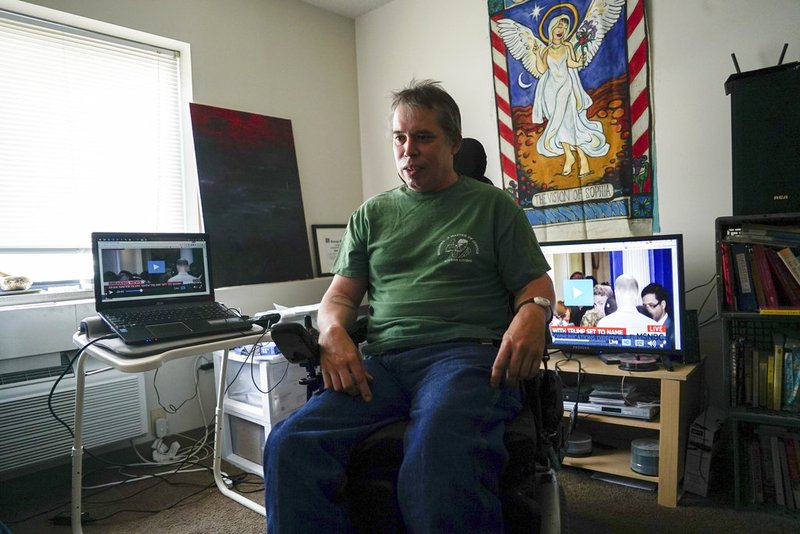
{"points": [[761, 343]]}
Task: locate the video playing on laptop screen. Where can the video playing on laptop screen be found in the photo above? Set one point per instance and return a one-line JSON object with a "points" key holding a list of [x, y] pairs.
{"points": [[134, 269], [618, 295]]}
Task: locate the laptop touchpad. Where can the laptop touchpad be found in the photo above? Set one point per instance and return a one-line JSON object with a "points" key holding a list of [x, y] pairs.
{"points": [[168, 329]]}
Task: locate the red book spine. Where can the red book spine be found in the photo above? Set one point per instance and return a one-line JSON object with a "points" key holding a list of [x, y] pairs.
{"points": [[765, 273], [790, 290], [727, 276]]}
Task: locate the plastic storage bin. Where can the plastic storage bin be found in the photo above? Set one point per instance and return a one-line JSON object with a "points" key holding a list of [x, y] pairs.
{"points": [[260, 391]]}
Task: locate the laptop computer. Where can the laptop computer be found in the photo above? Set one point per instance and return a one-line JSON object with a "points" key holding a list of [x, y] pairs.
{"points": [[151, 287]]}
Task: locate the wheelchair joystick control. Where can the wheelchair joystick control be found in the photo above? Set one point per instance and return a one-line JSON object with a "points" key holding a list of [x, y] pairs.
{"points": [[299, 345]]}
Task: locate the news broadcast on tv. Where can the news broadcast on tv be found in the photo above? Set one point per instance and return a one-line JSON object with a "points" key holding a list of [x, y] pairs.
{"points": [[617, 295]]}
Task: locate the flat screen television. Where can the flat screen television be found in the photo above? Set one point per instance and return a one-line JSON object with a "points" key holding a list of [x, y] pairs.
{"points": [[600, 306]]}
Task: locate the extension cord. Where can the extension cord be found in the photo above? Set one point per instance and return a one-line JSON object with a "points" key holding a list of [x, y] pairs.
{"points": [[162, 453]]}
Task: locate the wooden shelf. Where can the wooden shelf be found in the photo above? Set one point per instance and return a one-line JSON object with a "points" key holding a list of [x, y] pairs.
{"points": [[614, 462], [679, 398], [613, 420]]}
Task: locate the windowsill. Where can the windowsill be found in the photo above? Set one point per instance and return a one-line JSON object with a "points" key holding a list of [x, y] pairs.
{"points": [[51, 296]]}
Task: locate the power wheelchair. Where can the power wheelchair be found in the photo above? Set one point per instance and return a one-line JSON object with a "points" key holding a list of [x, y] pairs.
{"points": [[531, 497]]}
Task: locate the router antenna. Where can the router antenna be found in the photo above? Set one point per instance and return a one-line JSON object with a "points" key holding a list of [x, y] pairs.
{"points": [[735, 63], [783, 53]]}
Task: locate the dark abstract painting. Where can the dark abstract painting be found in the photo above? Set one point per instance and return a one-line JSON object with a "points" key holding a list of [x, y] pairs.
{"points": [[251, 199]]}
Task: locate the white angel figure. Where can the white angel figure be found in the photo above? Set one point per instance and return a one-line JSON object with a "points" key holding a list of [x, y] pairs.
{"points": [[559, 96]]}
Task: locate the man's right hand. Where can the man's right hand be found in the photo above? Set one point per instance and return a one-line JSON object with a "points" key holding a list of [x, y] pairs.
{"points": [[341, 364]]}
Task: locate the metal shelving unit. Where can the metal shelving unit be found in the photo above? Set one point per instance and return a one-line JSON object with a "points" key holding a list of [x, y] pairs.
{"points": [[757, 329]]}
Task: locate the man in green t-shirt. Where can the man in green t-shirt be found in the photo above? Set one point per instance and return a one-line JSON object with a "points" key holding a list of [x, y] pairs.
{"points": [[459, 299]]}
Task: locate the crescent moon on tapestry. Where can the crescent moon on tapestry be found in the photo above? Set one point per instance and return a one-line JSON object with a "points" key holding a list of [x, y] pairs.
{"points": [[521, 83]]}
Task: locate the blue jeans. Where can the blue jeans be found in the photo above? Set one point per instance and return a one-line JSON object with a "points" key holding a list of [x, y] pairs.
{"points": [[454, 450]]}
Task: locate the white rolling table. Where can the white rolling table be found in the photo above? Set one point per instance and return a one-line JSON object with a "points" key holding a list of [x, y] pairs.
{"points": [[138, 364]]}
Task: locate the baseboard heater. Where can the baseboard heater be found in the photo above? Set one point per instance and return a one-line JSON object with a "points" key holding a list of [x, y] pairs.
{"points": [[115, 409]]}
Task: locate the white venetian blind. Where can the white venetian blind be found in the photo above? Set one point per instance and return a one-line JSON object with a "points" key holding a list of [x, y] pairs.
{"points": [[90, 137]]}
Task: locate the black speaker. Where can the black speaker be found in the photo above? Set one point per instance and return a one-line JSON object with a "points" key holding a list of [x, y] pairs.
{"points": [[691, 337], [765, 127]]}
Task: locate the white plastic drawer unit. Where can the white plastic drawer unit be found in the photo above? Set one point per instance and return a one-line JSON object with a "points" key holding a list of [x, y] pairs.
{"points": [[261, 391]]}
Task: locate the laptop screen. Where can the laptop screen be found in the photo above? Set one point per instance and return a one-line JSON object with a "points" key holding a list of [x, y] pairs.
{"points": [[132, 269]]}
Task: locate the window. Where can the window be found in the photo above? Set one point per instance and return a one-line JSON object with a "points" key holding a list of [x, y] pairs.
{"points": [[94, 136]]}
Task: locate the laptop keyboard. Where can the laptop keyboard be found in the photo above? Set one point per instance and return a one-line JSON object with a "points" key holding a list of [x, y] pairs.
{"points": [[131, 318]]}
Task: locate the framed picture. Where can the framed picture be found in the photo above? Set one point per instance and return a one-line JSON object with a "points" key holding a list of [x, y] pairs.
{"points": [[327, 239]]}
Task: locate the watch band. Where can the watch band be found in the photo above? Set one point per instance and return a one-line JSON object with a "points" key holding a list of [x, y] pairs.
{"points": [[548, 310]]}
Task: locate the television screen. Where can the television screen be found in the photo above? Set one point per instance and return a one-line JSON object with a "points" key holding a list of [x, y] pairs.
{"points": [[622, 295]]}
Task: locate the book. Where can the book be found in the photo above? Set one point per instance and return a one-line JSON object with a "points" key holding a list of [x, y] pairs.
{"points": [[793, 455], [769, 234], [770, 381], [777, 362], [791, 459], [788, 288], [754, 228], [767, 470], [791, 376], [777, 477], [735, 357], [756, 476], [772, 476], [763, 364], [779, 311], [758, 285], [765, 275], [745, 292], [756, 379], [747, 363], [792, 263], [788, 493], [728, 283], [796, 441]]}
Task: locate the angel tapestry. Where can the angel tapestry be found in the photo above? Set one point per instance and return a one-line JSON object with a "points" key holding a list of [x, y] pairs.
{"points": [[573, 108]]}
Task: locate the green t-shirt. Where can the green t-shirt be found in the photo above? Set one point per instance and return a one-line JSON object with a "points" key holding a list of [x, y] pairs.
{"points": [[440, 266]]}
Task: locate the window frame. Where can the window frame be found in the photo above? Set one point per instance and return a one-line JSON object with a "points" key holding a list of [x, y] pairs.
{"points": [[192, 214]]}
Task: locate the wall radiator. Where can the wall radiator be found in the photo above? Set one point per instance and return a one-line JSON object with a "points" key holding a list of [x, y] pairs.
{"points": [[115, 409]]}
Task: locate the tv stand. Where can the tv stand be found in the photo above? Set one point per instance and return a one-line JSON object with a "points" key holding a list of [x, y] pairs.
{"points": [[679, 396]]}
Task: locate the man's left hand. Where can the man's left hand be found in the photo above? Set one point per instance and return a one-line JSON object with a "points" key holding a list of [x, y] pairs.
{"points": [[522, 347]]}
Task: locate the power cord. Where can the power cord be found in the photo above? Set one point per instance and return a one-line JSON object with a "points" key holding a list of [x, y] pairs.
{"points": [[266, 321], [61, 377], [573, 416]]}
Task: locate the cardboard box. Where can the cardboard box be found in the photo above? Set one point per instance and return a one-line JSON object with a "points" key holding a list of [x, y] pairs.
{"points": [[705, 430], [704, 434]]}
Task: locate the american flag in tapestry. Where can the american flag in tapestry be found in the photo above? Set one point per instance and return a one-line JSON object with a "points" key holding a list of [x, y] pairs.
{"points": [[574, 118]]}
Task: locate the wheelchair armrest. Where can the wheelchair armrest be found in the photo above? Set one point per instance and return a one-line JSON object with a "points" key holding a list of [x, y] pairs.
{"points": [[299, 344], [296, 343]]}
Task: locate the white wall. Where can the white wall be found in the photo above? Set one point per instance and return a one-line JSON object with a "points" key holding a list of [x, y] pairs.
{"points": [[690, 43]]}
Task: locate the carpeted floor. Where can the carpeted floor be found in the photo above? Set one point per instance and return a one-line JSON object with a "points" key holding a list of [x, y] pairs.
{"points": [[190, 504]]}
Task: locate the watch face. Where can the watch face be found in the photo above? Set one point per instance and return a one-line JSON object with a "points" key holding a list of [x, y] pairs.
{"points": [[545, 304]]}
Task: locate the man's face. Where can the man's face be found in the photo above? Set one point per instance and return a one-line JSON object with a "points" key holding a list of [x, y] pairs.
{"points": [[422, 153], [654, 307]]}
